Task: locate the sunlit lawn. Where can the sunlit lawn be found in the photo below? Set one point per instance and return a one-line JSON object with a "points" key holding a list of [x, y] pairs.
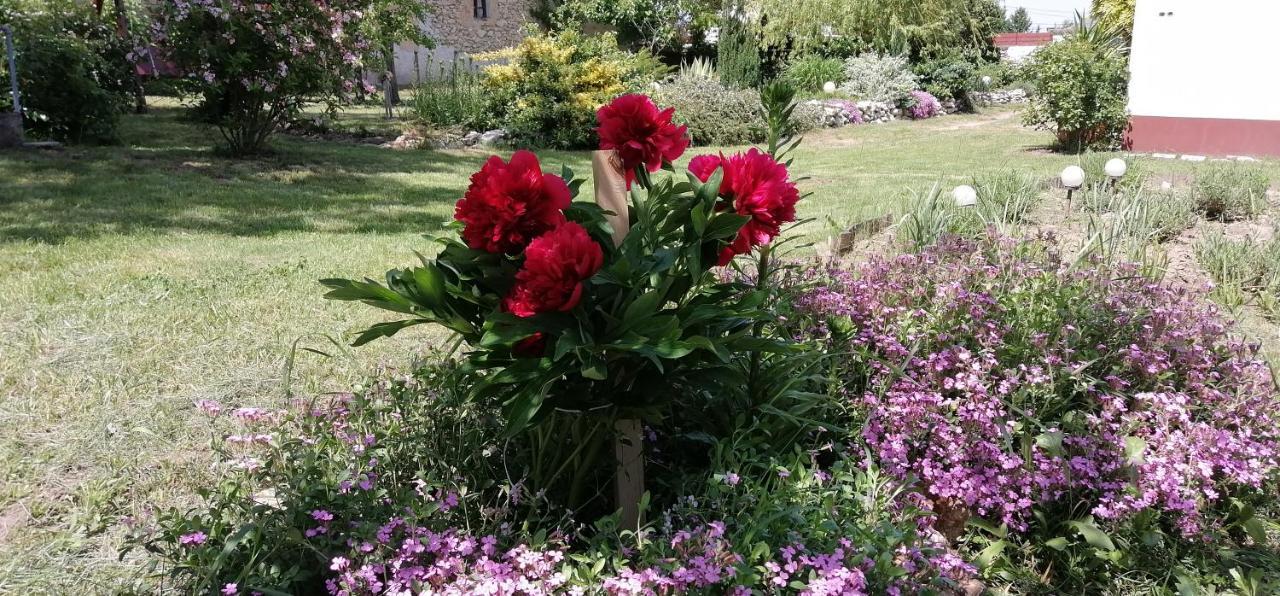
{"points": [[137, 279]]}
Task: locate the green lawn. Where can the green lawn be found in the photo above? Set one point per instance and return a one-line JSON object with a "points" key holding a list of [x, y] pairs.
{"points": [[137, 279]]}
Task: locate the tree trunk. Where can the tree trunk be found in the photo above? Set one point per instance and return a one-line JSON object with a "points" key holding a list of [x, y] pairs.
{"points": [[122, 30], [394, 87]]}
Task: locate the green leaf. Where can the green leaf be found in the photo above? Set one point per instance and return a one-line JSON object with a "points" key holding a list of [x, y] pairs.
{"points": [[1256, 530], [521, 410], [1092, 534], [990, 554], [431, 284], [1058, 544], [369, 292], [388, 329], [725, 225], [642, 308], [1051, 442], [1134, 447]]}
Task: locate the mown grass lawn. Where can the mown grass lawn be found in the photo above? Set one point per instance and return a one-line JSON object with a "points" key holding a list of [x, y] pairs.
{"points": [[139, 278]]}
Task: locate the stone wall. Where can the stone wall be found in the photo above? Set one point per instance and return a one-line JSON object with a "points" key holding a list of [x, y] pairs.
{"points": [[453, 24], [458, 34]]}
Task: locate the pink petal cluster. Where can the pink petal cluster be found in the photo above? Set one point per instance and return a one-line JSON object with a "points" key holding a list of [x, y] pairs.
{"points": [[1004, 380]]}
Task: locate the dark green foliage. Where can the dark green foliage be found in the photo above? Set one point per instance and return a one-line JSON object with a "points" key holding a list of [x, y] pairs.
{"points": [[1081, 93], [72, 71], [950, 76], [739, 58], [1018, 22], [810, 72]]}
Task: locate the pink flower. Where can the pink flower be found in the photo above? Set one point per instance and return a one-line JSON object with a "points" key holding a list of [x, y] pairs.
{"points": [[192, 539]]}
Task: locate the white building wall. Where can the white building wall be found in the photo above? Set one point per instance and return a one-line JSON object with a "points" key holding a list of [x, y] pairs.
{"points": [[1206, 59]]}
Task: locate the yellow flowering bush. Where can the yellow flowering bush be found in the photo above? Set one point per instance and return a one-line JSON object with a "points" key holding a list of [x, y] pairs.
{"points": [[548, 94]]}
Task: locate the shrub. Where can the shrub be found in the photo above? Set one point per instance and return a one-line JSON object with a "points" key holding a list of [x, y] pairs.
{"points": [[923, 105], [1230, 192], [73, 71], [1081, 91], [949, 77], [254, 65], [549, 93], [458, 99], [879, 78], [738, 54], [1058, 405], [715, 114], [810, 72]]}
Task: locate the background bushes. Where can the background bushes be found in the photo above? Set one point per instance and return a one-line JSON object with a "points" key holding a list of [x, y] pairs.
{"points": [[738, 56], [1081, 92], [73, 70], [550, 92], [879, 78], [714, 113], [810, 72]]}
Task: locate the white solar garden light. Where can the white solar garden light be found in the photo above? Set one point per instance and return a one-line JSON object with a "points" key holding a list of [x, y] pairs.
{"points": [[1115, 170], [986, 81], [1072, 178], [965, 196], [829, 87]]}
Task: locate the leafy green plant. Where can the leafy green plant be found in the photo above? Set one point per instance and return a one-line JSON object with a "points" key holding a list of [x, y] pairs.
{"points": [[810, 72], [73, 71], [1244, 270], [738, 54], [879, 77], [715, 114], [561, 320], [1230, 192], [248, 68], [950, 76], [548, 94], [457, 99], [1081, 90]]}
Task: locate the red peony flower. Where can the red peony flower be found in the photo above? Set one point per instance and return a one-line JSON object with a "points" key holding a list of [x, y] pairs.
{"points": [[555, 265], [757, 186], [510, 204], [640, 133], [533, 346]]}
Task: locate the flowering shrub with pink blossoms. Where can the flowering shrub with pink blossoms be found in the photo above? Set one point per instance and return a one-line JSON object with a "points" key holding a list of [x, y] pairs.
{"points": [[924, 105], [1051, 400], [254, 64]]}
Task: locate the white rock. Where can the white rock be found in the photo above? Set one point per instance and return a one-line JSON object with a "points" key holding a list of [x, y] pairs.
{"points": [[1193, 158]]}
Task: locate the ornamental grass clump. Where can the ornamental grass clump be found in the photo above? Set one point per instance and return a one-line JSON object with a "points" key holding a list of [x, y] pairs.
{"points": [[1035, 395]]}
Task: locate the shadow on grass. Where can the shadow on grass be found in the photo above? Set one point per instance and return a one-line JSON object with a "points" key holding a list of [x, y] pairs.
{"points": [[168, 177]]}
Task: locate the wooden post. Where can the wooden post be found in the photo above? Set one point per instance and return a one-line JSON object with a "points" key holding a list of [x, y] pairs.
{"points": [[628, 444], [611, 191]]}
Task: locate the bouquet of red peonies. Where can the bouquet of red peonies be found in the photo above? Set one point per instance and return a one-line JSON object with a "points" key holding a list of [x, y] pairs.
{"points": [[559, 312]]}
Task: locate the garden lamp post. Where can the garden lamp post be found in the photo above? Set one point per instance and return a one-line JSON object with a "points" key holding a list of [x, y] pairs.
{"points": [[829, 87], [1072, 179], [1115, 170], [986, 81], [965, 196]]}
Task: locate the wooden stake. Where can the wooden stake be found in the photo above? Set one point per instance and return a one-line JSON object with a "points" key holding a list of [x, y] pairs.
{"points": [[628, 445], [611, 191]]}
